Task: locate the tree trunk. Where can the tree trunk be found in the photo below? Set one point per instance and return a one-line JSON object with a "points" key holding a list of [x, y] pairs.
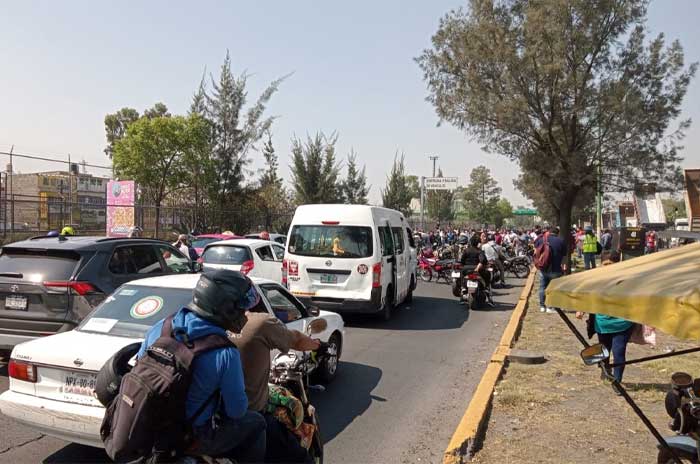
{"points": [[157, 219], [566, 205]]}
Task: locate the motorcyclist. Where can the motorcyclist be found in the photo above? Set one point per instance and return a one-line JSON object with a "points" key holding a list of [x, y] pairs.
{"points": [[474, 260], [260, 335], [494, 254], [225, 427]]}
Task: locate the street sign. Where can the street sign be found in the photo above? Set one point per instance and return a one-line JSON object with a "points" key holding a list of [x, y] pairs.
{"points": [[525, 212], [441, 183]]}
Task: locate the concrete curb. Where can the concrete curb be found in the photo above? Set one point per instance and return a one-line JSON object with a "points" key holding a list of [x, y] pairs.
{"points": [[473, 423]]}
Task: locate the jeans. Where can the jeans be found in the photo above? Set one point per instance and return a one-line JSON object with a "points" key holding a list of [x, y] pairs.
{"points": [[589, 260], [283, 445], [242, 439], [545, 278], [616, 343]]}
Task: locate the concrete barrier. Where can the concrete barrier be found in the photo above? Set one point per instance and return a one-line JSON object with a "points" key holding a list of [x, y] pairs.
{"points": [[473, 424]]}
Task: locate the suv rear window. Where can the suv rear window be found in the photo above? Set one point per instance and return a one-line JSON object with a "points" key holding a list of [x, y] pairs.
{"points": [[226, 254], [39, 265], [331, 241]]}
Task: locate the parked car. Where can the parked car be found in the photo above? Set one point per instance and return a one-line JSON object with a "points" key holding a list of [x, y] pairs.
{"points": [[255, 258], [202, 240], [52, 379], [49, 284], [350, 258], [279, 238]]}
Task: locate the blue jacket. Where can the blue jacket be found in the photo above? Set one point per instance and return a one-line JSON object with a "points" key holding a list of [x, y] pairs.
{"points": [[214, 369]]}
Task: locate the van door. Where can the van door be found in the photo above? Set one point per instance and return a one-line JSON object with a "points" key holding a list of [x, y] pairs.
{"points": [[401, 252], [388, 261]]}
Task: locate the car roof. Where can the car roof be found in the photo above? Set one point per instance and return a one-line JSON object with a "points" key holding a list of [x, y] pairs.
{"points": [[78, 242], [250, 242], [182, 281], [221, 236]]}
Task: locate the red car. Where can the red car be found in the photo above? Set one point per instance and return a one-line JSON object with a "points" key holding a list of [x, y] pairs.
{"points": [[200, 241]]}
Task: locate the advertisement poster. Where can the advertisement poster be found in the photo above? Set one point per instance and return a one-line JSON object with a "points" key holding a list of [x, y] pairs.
{"points": [[120, 207]]}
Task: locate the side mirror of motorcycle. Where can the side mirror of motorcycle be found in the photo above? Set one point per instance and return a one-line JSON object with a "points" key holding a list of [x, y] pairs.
{"points": [[313, 311], [316, 326], [594, 354]]}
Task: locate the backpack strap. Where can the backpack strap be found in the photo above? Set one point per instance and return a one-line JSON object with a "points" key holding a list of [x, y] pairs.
{"points": [[211, 342]]}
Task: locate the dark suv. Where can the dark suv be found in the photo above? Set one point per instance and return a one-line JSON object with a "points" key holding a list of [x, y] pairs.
{"points": [[49, 284]]}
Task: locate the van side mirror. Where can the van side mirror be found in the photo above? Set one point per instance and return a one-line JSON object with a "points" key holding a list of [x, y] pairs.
{"points": [[313, 311]]}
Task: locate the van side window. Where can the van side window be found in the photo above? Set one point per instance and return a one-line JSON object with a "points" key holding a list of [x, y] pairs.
{"points": [[398, 239], [386, 241], [411, 241]]}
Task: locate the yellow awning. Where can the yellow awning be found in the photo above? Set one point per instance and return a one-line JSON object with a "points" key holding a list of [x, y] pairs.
{"points": [[660, 289]]}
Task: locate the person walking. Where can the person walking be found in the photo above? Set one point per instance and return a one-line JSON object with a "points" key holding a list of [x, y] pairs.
{"points": [[590, 248], [614, 333], [554, 267]]}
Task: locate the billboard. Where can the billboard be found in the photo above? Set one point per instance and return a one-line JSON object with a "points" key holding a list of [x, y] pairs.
{"points": [[441, 183], [120, 207]]}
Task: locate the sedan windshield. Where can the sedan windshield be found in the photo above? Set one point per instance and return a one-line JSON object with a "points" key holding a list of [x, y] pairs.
{"points": [[133, 309]]}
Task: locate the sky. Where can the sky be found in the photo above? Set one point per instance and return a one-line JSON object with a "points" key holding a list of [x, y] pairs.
{"points": [[64, 65]]}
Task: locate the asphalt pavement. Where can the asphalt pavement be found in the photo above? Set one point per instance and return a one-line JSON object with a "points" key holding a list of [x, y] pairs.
{"points": [[401, 389]]}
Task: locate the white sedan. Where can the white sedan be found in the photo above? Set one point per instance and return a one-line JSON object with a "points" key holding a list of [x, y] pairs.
{"points": [[52, 379], [254, 258]]}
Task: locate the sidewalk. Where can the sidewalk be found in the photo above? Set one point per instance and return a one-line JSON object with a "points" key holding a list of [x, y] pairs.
{"points": [[562, 412]]}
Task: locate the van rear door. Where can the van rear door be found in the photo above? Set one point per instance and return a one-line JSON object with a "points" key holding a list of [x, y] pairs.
{"points": [[330, 260]]}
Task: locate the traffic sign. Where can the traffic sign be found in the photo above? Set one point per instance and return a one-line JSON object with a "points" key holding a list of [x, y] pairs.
{"points": [[441, 183], [525, 212]]}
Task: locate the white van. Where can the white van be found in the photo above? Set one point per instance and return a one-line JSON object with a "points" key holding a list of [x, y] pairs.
{"points": [[350, 258]]}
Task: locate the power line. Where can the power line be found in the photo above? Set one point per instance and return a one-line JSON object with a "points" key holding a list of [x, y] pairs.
{"points": [[41, 158]]}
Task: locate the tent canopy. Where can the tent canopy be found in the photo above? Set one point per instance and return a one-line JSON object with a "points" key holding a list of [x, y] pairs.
{"points": [[660, 289]]}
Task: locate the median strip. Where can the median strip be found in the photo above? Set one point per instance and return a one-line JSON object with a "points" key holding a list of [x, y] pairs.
{"points": [[471, 427]]}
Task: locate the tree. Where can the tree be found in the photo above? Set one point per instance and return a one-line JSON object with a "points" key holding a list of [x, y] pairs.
{"points": [[354, 188], [272, 196], [439, 203], [674, 209], [153, 152], [569, 89], [503, 211], [397, 194], [481, 196], [413, 185], [315, 170], [234, 131], [115, 127]]}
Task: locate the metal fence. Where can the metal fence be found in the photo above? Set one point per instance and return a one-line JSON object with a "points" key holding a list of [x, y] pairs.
{"points": [[22, 216]]}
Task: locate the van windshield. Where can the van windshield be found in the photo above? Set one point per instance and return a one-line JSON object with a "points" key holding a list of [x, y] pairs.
{"points": [[331, 241]]}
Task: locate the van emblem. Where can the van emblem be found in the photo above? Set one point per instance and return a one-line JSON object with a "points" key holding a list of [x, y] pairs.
{"points": [[329, 263], [78, 362], [14, 288]]}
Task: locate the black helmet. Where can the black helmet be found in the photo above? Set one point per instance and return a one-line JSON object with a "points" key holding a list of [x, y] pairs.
{"points": [[463, 240], [110, 376], [222, 297]]}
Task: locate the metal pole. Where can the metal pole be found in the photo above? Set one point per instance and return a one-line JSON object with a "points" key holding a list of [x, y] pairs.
{"points": [[599, 204], [422, 202], [12, 195], [434, 159], [70, 191]]}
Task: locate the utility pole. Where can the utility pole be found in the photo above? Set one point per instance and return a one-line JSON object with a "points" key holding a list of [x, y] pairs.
{"points": [[434, 159], [422, 203], [12, 195], [599, 204]]}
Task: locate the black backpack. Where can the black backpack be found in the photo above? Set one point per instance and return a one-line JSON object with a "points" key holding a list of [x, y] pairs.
{"points": [[147, 418]]}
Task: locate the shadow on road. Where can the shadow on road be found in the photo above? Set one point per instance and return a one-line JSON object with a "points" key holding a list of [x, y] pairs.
{"points": [[425, 313], [348, 397], [78, 454]]}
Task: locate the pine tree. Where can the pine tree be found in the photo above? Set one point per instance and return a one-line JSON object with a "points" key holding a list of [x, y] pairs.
{"points": [[315, 170], [397, 193], [354, 187], [272, 195]]}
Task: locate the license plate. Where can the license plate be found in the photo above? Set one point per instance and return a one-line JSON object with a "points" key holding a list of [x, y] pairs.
{"points": [[79, 384], [456, 274], [16, 302], [329, 279], [472, 284]]}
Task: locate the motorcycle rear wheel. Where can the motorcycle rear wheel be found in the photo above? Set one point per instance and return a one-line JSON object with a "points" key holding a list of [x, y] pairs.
{"points": [[521, 271], [665, 457], [425, 274], [316, 449], [456, 288]]}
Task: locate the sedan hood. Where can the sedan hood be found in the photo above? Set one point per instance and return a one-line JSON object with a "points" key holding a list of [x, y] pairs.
{"points": [[74, 349]]}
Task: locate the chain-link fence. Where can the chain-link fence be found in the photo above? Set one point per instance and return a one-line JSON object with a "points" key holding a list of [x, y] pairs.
{"points": [[22, 216]]}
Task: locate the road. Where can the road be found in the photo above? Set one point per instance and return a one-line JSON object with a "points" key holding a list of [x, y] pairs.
{"points": [[401, 389]]}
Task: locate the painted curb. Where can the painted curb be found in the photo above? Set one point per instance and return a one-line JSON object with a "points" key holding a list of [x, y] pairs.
{"points": [[473, 423]]}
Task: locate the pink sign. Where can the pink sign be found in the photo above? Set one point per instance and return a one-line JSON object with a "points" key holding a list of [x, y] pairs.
{"points": [[120, 207]]}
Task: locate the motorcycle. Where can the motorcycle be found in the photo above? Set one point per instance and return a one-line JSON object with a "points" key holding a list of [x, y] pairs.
{"points": [[683, 405], [292, 371], [518, 266], [438, 268], [470, 288]]}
